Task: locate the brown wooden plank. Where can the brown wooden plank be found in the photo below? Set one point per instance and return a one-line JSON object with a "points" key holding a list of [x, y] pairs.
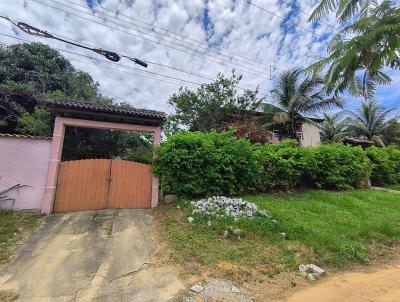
{"points": [[130, 185], [82, 185]]}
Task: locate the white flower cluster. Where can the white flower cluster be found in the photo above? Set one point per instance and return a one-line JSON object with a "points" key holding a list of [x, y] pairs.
{"points": [[224, 206]]}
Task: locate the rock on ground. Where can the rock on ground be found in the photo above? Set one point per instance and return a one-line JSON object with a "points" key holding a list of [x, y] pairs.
{"points": [[218, 290]]}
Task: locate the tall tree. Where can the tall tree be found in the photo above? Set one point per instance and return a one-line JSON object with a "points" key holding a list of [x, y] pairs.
{"points": [[333, 127], [374, 122], [296, 95], [206, 108], [361, 51], [31, 71]]}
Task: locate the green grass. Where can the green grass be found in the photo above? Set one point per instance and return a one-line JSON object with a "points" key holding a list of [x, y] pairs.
{"points": [[393, 187], [13, 226], [327, 228]]}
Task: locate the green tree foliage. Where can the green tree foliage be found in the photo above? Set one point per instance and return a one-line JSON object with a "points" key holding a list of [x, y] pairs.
{"points": [[82, 143], [205, 108], [374, 122], [297, 94], [30, 72], [360, 52], [333, 127], [36, 123]]}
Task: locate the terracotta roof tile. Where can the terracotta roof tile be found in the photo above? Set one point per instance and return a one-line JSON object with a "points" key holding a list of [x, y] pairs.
{"points": [[24, 136], [105, 108]]}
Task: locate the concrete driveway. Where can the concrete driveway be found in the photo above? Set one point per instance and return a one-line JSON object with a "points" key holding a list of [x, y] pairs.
{"points": [[91, 256]]}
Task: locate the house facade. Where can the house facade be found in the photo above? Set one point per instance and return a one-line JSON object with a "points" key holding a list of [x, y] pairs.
{"points": [[308, 135]]}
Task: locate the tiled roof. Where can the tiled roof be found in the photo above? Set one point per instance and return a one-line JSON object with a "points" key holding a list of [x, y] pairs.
{"points": [[24, 136], [105, 108]]}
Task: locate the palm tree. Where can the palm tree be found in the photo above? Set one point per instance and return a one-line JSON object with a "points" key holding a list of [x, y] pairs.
{"points": [[360, 52], [372, 121], [333, 127], [346, 9], [296, 94]]}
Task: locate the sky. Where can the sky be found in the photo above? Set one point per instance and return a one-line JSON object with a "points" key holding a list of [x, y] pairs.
{"points": [[196, 39]]}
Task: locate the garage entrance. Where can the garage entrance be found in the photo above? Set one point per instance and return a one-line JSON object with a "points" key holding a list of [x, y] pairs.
{"points": [[92, 184], [95, 184]]}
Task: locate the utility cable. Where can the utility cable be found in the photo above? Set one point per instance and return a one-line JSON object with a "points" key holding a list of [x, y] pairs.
{"points": [[244, 69], [152, 32], [112, 56]]}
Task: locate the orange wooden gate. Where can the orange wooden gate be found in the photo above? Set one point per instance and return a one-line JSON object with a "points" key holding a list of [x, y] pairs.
{"points": [[94, 184]]}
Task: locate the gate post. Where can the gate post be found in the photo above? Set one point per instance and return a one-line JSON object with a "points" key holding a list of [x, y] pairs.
{"points": [[154, 182], [54, 162]]}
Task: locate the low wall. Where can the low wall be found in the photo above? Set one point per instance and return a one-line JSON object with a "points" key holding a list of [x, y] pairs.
{"points": [[24, 160]]}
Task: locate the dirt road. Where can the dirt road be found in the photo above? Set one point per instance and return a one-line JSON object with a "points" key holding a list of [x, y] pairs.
{"points": [[378, 284]]}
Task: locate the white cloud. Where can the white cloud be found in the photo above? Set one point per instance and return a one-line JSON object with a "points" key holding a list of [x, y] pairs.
{"points": [[236, 26]]}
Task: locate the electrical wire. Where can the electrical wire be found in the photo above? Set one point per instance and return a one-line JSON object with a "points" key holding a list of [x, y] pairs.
{"points": [[112, 56], [245, 70], [250, 2], [207, 48], [114, 63]]}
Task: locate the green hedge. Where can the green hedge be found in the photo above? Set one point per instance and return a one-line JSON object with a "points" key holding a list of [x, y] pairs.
{"points": [[385, 165], [206, 163], [337, 166], [195, 163]]}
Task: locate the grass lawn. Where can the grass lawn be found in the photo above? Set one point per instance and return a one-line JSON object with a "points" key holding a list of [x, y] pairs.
{"points": [[393, 187], [332, 229], [13, 227]]}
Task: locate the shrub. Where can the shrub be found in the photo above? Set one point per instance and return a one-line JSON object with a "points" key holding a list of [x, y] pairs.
{"points": [[384, 168], [195, 163], [394, 156], [282, 165], [337, 166]]}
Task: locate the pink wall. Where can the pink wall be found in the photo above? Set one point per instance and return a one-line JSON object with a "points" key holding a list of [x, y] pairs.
{"points": [[24, 161]]}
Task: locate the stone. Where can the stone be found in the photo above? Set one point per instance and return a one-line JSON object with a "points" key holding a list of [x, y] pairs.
{"points": [[169, 198], [316, 269], [226, 234], [235, 289], [311, 271], [190, 219], [209, 223], [197, 288]]}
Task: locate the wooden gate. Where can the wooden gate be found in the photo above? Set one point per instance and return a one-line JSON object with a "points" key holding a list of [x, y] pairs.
{"points": [[95, 184]]}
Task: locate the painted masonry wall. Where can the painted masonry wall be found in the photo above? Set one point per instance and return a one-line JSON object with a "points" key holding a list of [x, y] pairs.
{"points": [[24, 161], [311, 136]]}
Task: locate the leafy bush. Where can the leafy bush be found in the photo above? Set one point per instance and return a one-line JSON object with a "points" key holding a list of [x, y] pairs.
{"points": [[282, 165], [196, 163], [337, 166], [394, 155], [384, 169]]}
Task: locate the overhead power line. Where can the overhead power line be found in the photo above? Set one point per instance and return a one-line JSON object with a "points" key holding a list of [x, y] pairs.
{"points": [[112, 56], [152, 30], [114, 63], [148, 74], [241, 68], [250, 2], [109, 55]]}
